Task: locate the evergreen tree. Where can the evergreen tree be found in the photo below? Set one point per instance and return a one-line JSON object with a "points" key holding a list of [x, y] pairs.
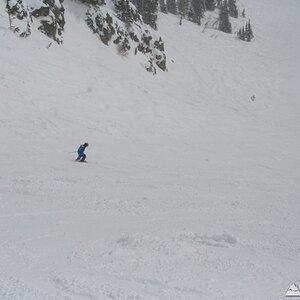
{"points": [[224, 23], [119, 6], [250, 30], [151, 13], [172, 7], [233, 11], [148, 9], [124, 47], [182, 9], [241, 33], [163, 6], [250, 34], [210, 4], [123, 10], [196, 11], [93, 2], [243, 13], [245, 33]]}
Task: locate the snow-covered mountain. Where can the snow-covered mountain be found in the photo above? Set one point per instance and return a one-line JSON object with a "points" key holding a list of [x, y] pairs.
{"points": [[103, 19], [191, 190]]}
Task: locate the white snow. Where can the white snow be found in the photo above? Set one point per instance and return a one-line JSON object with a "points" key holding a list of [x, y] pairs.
{"points": [[191, 190]]}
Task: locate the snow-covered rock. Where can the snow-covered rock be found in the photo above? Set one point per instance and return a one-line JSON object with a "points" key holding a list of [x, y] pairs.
{"points": [[135, 36], [44, 15]]}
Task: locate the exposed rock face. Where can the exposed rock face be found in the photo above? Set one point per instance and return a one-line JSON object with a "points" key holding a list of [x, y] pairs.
{"points": [[19, 17], [135, 36], [46, 15], [51, 18], [103, 25], [128, 33]]}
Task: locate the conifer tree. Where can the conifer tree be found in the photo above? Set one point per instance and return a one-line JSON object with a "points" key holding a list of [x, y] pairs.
{"points": [[210, 4], [241, 33], [196, 11], [250, 30], [243, 13], [232, 8], [93, 2], [151, 9], [245, 33], [172, 7], [124, 47], [224, 23], [119, 6], [250, 35], [182, 9], [148, 9], [163, 6], [123, 10]]}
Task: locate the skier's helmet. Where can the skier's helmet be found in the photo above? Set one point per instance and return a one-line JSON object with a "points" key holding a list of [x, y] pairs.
{"points": [[85, 144]]}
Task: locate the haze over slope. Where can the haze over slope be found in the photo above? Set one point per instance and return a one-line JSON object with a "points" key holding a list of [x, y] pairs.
{"points": [[191, 188]]}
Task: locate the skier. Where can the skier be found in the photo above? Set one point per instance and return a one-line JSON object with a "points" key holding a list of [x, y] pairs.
{"points": [[81, 156]]}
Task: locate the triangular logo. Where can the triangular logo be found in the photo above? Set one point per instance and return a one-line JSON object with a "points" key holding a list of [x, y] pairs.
{"points": [[293, 291]]}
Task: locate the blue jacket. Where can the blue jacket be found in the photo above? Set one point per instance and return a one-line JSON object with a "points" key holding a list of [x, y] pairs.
{"points": [[80, 150]]}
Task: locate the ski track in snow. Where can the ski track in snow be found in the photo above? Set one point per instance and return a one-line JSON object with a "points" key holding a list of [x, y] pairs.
{"points": [[191, 190]]}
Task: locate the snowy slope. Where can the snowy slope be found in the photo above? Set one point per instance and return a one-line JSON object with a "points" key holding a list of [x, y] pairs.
{"points": [[191, 190]]}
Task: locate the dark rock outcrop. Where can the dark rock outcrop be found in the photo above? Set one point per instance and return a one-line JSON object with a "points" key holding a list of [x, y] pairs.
{"points": [[47, 16], [136, 36]]}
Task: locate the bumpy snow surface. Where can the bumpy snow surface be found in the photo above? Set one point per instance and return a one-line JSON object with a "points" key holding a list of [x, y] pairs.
{"points": [[191, 190]]}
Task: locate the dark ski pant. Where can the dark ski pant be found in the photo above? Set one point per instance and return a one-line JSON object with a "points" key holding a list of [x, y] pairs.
{"points": [[81, 157]]}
